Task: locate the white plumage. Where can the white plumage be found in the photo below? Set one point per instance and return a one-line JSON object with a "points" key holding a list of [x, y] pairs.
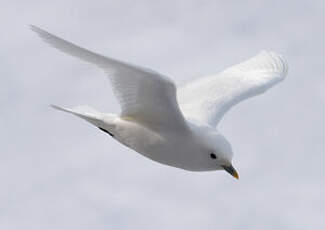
{"points": [[207, 99], [169, 125], [141, 92]]}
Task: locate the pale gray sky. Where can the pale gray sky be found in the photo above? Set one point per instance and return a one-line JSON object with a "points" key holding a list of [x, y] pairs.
{"points": [[58, 172]]}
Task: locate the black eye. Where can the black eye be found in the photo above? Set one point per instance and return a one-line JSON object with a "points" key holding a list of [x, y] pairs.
{"points": [[213, 156]]}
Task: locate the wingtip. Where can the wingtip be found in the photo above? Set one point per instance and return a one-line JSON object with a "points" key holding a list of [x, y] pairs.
{"points": [[40, 32], [282, 63], [34, 28], [278, 60], [31, 26]]}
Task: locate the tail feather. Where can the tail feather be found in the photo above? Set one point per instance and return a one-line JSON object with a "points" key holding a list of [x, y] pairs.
{"points": [[85, 112], [103, 121], [78, 110]]}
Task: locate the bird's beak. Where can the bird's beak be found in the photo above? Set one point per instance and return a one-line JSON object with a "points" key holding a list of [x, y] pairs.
{"points": [[231, 170]]}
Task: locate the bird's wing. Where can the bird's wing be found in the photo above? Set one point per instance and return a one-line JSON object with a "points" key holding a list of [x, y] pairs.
{"points": [[144, 95], [208, 99]]}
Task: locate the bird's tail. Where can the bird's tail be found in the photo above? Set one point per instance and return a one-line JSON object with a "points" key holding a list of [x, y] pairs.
{"points": [[101, 120]]}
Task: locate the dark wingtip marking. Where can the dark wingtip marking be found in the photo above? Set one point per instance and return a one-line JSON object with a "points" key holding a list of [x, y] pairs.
{"points": [[104, 130]]}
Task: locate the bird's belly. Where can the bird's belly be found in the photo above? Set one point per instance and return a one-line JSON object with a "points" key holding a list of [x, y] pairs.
{"points": [[171, 148]]}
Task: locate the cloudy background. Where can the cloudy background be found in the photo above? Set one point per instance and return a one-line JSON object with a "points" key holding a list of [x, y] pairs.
{"points": [[58, 172]]}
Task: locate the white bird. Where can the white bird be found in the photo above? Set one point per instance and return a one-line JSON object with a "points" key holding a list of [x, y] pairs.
{"points": [[174, 126]]}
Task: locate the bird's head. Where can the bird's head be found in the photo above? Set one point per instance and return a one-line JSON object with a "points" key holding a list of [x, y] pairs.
{"points": [[220, 154]]}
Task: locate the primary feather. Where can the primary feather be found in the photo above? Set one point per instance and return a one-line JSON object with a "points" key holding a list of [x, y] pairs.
{"points": [[144, 95], [207, 99]]}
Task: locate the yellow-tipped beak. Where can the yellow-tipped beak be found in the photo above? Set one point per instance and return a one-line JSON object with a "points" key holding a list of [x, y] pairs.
{"points": [[231, 170]]}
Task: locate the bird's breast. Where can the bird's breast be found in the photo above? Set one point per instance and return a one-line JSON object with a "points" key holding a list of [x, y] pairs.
{"points": [[164, 146]]}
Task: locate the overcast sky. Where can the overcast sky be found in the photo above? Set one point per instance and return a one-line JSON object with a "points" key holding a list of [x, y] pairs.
{"points": [[58, 172]]}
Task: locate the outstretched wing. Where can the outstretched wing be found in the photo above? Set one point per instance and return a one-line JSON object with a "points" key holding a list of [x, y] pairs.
{"points": [[208, 99], [143, 94]]}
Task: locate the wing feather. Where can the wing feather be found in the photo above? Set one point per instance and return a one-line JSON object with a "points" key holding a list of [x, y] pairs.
{"points": [[144, 94], [208, 99]]}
